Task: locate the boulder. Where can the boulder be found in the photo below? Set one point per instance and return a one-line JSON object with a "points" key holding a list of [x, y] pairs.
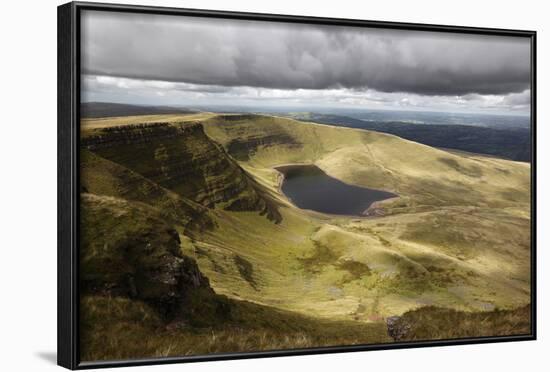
{"points": [[397, 328]]}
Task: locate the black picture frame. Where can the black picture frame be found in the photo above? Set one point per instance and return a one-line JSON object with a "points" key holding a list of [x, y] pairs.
{"points": [[68, 179]]}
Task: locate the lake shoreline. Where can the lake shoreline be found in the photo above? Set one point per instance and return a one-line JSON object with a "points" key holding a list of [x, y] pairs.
{"points": [[318, 202]]}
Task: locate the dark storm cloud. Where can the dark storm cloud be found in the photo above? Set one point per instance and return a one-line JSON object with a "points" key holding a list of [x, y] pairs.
{"points": [[225, 53]]}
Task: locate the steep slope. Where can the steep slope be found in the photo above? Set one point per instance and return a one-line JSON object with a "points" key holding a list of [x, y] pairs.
{"points": [[182, 159], [128, 250], [143, 295], [103, 177]]}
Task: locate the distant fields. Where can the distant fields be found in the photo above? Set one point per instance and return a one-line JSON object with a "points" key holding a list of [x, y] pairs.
{"points": [[455, 241], [510, 138]]}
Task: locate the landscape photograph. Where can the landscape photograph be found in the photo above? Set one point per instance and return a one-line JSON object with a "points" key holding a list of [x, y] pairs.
{"points": [[252, 185]]}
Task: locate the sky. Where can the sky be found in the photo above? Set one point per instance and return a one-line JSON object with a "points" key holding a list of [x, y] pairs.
{"points": [[192, 61]]}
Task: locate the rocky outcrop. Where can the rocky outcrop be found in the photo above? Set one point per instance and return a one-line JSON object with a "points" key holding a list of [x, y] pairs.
{"points": [[398, 328], [182, 158], [127, 250]]}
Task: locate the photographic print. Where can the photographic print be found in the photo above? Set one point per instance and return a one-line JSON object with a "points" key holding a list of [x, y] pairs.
{"points": [[252, 185]]}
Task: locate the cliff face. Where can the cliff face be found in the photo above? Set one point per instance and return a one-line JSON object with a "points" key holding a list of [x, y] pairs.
{"points": [[182, 159], [242, 140], [243, 148], [103, 177]]}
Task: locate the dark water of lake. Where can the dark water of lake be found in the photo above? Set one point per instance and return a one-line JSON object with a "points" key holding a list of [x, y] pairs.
{"points": [[308, 187]]}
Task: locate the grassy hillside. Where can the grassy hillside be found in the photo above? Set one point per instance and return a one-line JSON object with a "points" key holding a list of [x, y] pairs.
{"points": [[119, 328], [422, 174], [457, 237], [102, 177], [143, 295], [507, 142], [446, 241]]}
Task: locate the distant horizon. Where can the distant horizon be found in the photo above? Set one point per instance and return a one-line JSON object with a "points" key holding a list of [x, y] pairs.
{"points": [[311, 109]]}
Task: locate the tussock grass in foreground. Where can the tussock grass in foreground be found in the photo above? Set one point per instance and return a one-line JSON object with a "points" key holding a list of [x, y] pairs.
{"points": [[433, 323], [120, 328]]}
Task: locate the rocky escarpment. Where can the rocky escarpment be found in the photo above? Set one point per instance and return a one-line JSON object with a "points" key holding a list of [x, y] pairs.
{"points": [[103, 177], [244, 140], [134, 134], [180, 157], [243, 148], [128, 250], [237, 117]]}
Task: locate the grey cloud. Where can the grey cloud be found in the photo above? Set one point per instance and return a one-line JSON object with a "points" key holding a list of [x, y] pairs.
{"points": [[204, 88], [523, 98], [150, 92], [228, 53]]}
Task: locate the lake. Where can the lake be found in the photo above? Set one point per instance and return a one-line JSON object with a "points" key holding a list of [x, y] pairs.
{"points": [[308, 187]]}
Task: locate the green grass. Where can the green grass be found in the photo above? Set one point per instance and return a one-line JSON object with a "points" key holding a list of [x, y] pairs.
{"points": [[321, 256], [457, 238], [418, 173], [100, 176], [432, 323], [246, 270], [119, 328]]}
